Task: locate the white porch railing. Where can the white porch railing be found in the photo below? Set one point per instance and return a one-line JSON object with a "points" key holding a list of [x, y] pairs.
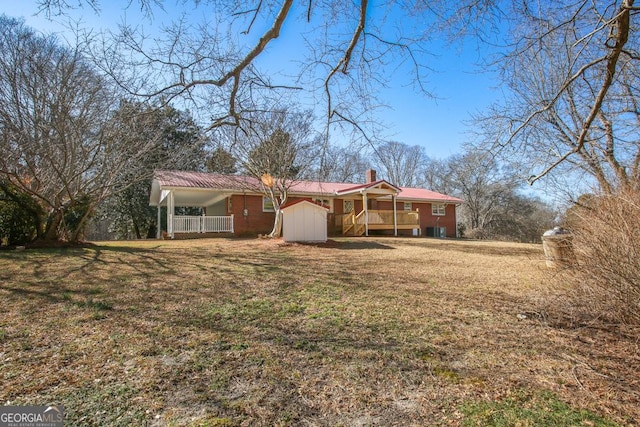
{"points": [[202, 224]]}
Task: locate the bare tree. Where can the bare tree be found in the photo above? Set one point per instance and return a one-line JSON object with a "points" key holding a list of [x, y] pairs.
{"points": [[59, 143], [343, 164], [437, 176], [400, 163], [520, 218], [571, 72], [350, 49], [279, 148], [344, 52], [483, 185]]}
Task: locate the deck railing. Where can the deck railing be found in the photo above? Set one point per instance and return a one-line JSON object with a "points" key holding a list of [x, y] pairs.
{"points": [[385, 218], [408, 218], [202, 224], [379, 220]]}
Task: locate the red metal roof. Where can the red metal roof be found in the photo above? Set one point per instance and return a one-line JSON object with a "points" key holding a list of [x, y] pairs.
{"points": [[319, 188], [184, 179], [408, 193]]}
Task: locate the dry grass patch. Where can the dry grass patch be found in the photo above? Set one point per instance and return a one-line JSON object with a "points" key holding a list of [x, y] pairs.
{"points": [[256, 332]]}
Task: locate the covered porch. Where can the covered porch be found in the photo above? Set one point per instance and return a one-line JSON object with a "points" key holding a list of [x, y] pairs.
{"points": [[206, 200], [356, 223]]}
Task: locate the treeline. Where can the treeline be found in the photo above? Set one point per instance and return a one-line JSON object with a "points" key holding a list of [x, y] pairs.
{"points": [[77, 155]]}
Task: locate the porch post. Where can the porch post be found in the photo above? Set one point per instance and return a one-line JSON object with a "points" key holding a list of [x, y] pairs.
{"points": [[366, 213], [158, 224], [395, 216], [170, 213]]}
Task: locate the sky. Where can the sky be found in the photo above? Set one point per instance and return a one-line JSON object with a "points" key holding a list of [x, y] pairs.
{"points": [[439, 125]]}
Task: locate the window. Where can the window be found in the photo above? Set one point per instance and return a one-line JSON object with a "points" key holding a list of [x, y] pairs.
{"points": [[267, 205], [229, 204], [348, 206], [408, 206], [437, 209]]}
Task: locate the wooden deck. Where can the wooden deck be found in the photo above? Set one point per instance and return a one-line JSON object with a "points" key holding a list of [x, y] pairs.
{"points": [[357, 224]]}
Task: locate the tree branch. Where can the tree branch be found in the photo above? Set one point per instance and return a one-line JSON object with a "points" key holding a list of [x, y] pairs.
{"points": [[620, 33]]}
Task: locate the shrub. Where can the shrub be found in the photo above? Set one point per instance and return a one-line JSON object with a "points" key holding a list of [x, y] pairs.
{"points": [[606, 275], [17, 225], [477, 233]]}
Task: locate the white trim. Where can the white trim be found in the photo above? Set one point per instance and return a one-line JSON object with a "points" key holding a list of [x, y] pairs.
{"points": [[163, 195]]}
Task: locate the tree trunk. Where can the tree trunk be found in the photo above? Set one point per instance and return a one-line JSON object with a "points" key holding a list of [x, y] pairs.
{"points": [[53, 224], [136, 229], [277, 224], [79, 231]]}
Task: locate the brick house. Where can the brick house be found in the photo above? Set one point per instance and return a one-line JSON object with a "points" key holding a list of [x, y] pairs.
{"points": [[235, 204]]}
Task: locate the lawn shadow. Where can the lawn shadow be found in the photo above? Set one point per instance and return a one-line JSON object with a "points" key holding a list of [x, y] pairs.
{"points": [[361, 244], [91, 261], [124, 249], [146, 254], [476, 247]]}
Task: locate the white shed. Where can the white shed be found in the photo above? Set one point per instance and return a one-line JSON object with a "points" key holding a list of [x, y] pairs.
{"points": [[304, 221]]}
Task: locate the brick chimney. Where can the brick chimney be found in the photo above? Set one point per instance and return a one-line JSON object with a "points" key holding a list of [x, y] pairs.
{"points": [[370, 176]]}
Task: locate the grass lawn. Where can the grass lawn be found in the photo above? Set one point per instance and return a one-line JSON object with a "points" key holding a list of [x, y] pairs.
{"points": [[360, 332]]}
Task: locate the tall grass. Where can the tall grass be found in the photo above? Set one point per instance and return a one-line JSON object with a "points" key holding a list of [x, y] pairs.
{"points": [[606, 275]]}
